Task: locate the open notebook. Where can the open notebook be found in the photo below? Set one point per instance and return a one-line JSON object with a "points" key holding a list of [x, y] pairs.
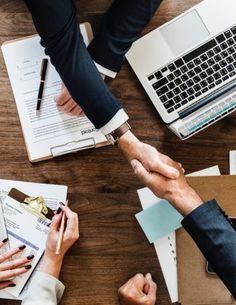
{"points": [[49, 133]]}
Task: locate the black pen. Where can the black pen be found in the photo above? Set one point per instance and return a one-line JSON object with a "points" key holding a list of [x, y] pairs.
{"points": [[43, 73]]}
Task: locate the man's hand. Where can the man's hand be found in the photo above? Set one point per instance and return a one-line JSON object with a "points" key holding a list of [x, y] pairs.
{"points": [[65, 103], [151, 159], [178, 192], [139, 290]]}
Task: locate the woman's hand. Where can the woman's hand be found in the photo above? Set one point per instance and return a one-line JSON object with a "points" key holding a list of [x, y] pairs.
{"points": [[52, 262], [10, 267]]}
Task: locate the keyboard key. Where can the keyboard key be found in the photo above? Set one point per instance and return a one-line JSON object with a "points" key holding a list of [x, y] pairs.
{"points": [[223, 46], [190, 91], [190, 83], [171, 85], [197, 87], [224, 54], [229, 59], [184, 95], [228, 34], [225, 78], [177, 99], [210, 53], [158, 75], [179, 63], [178, 81], [217, 76], [170, 110], [177, 106], [204, 83], [212, 86], [219, 81], [210, 71], [216, 67], [231, 50], [184, 77], [203, 75], [176, 91], [163, 70], [191, 98], [172, 67], [199, 51], [197, 70], [183, 87], [160, 83], [217, 50], [210, 80], [177, 73], [231, 74], [163, 90], [150, 77], [218, 57], [184, 69], [197, 61], [190, 65], [170, 77], [223, 72], [204, 66], [163, 98], [169, 104], [170, 94], [211, 62], [220, 38], [223, 63], [204, 57], [204, 90], [198, 94], [191, 74], [230, 68], [233, 30], [230, 42], [184, 102], [197, 79]]}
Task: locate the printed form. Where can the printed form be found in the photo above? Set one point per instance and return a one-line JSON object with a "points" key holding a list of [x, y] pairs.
{"points": [[52, 194], [50, 132]]}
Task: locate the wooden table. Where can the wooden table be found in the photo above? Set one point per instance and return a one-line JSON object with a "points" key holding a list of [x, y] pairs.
{"points": [[102, 187]]}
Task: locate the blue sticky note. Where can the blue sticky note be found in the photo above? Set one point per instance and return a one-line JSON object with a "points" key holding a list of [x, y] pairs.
{"points": [[159, 220]]}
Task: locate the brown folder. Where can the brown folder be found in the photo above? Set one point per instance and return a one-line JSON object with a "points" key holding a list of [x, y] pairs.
{"points": [[195, 285]]}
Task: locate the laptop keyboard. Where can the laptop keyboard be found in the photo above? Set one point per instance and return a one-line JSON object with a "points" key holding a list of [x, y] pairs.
{"points": [[197, 72]]}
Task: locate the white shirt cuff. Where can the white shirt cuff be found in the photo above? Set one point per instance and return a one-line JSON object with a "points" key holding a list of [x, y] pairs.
{"points": [[118, 119], [105, 71]]}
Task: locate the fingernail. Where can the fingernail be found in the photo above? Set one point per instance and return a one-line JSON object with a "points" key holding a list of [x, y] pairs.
{"points": [[175, 173], [58, 211], [149, 276], [4, 240], [134, 163], [12, 285], [22, 247], [61, 203], [29, 257], [28, 267]]}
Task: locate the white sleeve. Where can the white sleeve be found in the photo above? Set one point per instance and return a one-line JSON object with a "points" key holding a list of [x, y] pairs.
{"points": [[118, 119], [44, 289], [105, 71]]}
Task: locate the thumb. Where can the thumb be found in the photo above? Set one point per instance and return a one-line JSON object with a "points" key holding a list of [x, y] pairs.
{"points": [[140, 171], [152, 285]]}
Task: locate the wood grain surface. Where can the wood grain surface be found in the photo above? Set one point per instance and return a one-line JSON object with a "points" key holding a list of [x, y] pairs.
{"points": [[102, 187]]}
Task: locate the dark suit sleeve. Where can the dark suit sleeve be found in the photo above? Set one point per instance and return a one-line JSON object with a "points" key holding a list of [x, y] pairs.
{"points": [[56, 23], [212, 231], [121, 26]]}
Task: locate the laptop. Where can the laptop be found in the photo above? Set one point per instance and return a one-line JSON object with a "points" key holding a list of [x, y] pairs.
{"points": [[188, 66]]}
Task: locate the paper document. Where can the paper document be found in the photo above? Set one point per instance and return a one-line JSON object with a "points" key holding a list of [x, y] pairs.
{"points": [[166, 247], [49, 133], [232, 162], [53, 194]]}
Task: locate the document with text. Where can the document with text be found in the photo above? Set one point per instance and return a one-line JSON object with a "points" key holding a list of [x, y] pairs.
{"points": [[49, 132]]}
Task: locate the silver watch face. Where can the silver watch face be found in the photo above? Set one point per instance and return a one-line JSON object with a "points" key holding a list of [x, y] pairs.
{"points": [[111, 139]]}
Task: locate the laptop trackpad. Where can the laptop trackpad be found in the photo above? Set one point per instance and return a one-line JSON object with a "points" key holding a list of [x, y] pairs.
{"points": [[185, 32]]}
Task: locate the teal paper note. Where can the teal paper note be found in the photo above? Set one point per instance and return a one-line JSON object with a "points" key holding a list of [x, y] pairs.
{"points": [[159, 220]]}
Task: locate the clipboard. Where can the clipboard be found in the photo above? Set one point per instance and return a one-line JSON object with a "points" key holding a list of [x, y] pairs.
{"points": [[86, 138], [34, 205]]}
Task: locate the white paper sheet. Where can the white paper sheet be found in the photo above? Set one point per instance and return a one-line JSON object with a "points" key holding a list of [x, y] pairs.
{"points": [[232, 162], [49, 133], [52, 193], [166, 247]]}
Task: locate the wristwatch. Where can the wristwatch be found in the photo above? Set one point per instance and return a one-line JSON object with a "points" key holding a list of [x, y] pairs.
{"points": [[114, 136]]}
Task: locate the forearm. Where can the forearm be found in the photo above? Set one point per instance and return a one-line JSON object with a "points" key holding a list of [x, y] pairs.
{"points": [[216, 238], [121, 26], [56, 23]]}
